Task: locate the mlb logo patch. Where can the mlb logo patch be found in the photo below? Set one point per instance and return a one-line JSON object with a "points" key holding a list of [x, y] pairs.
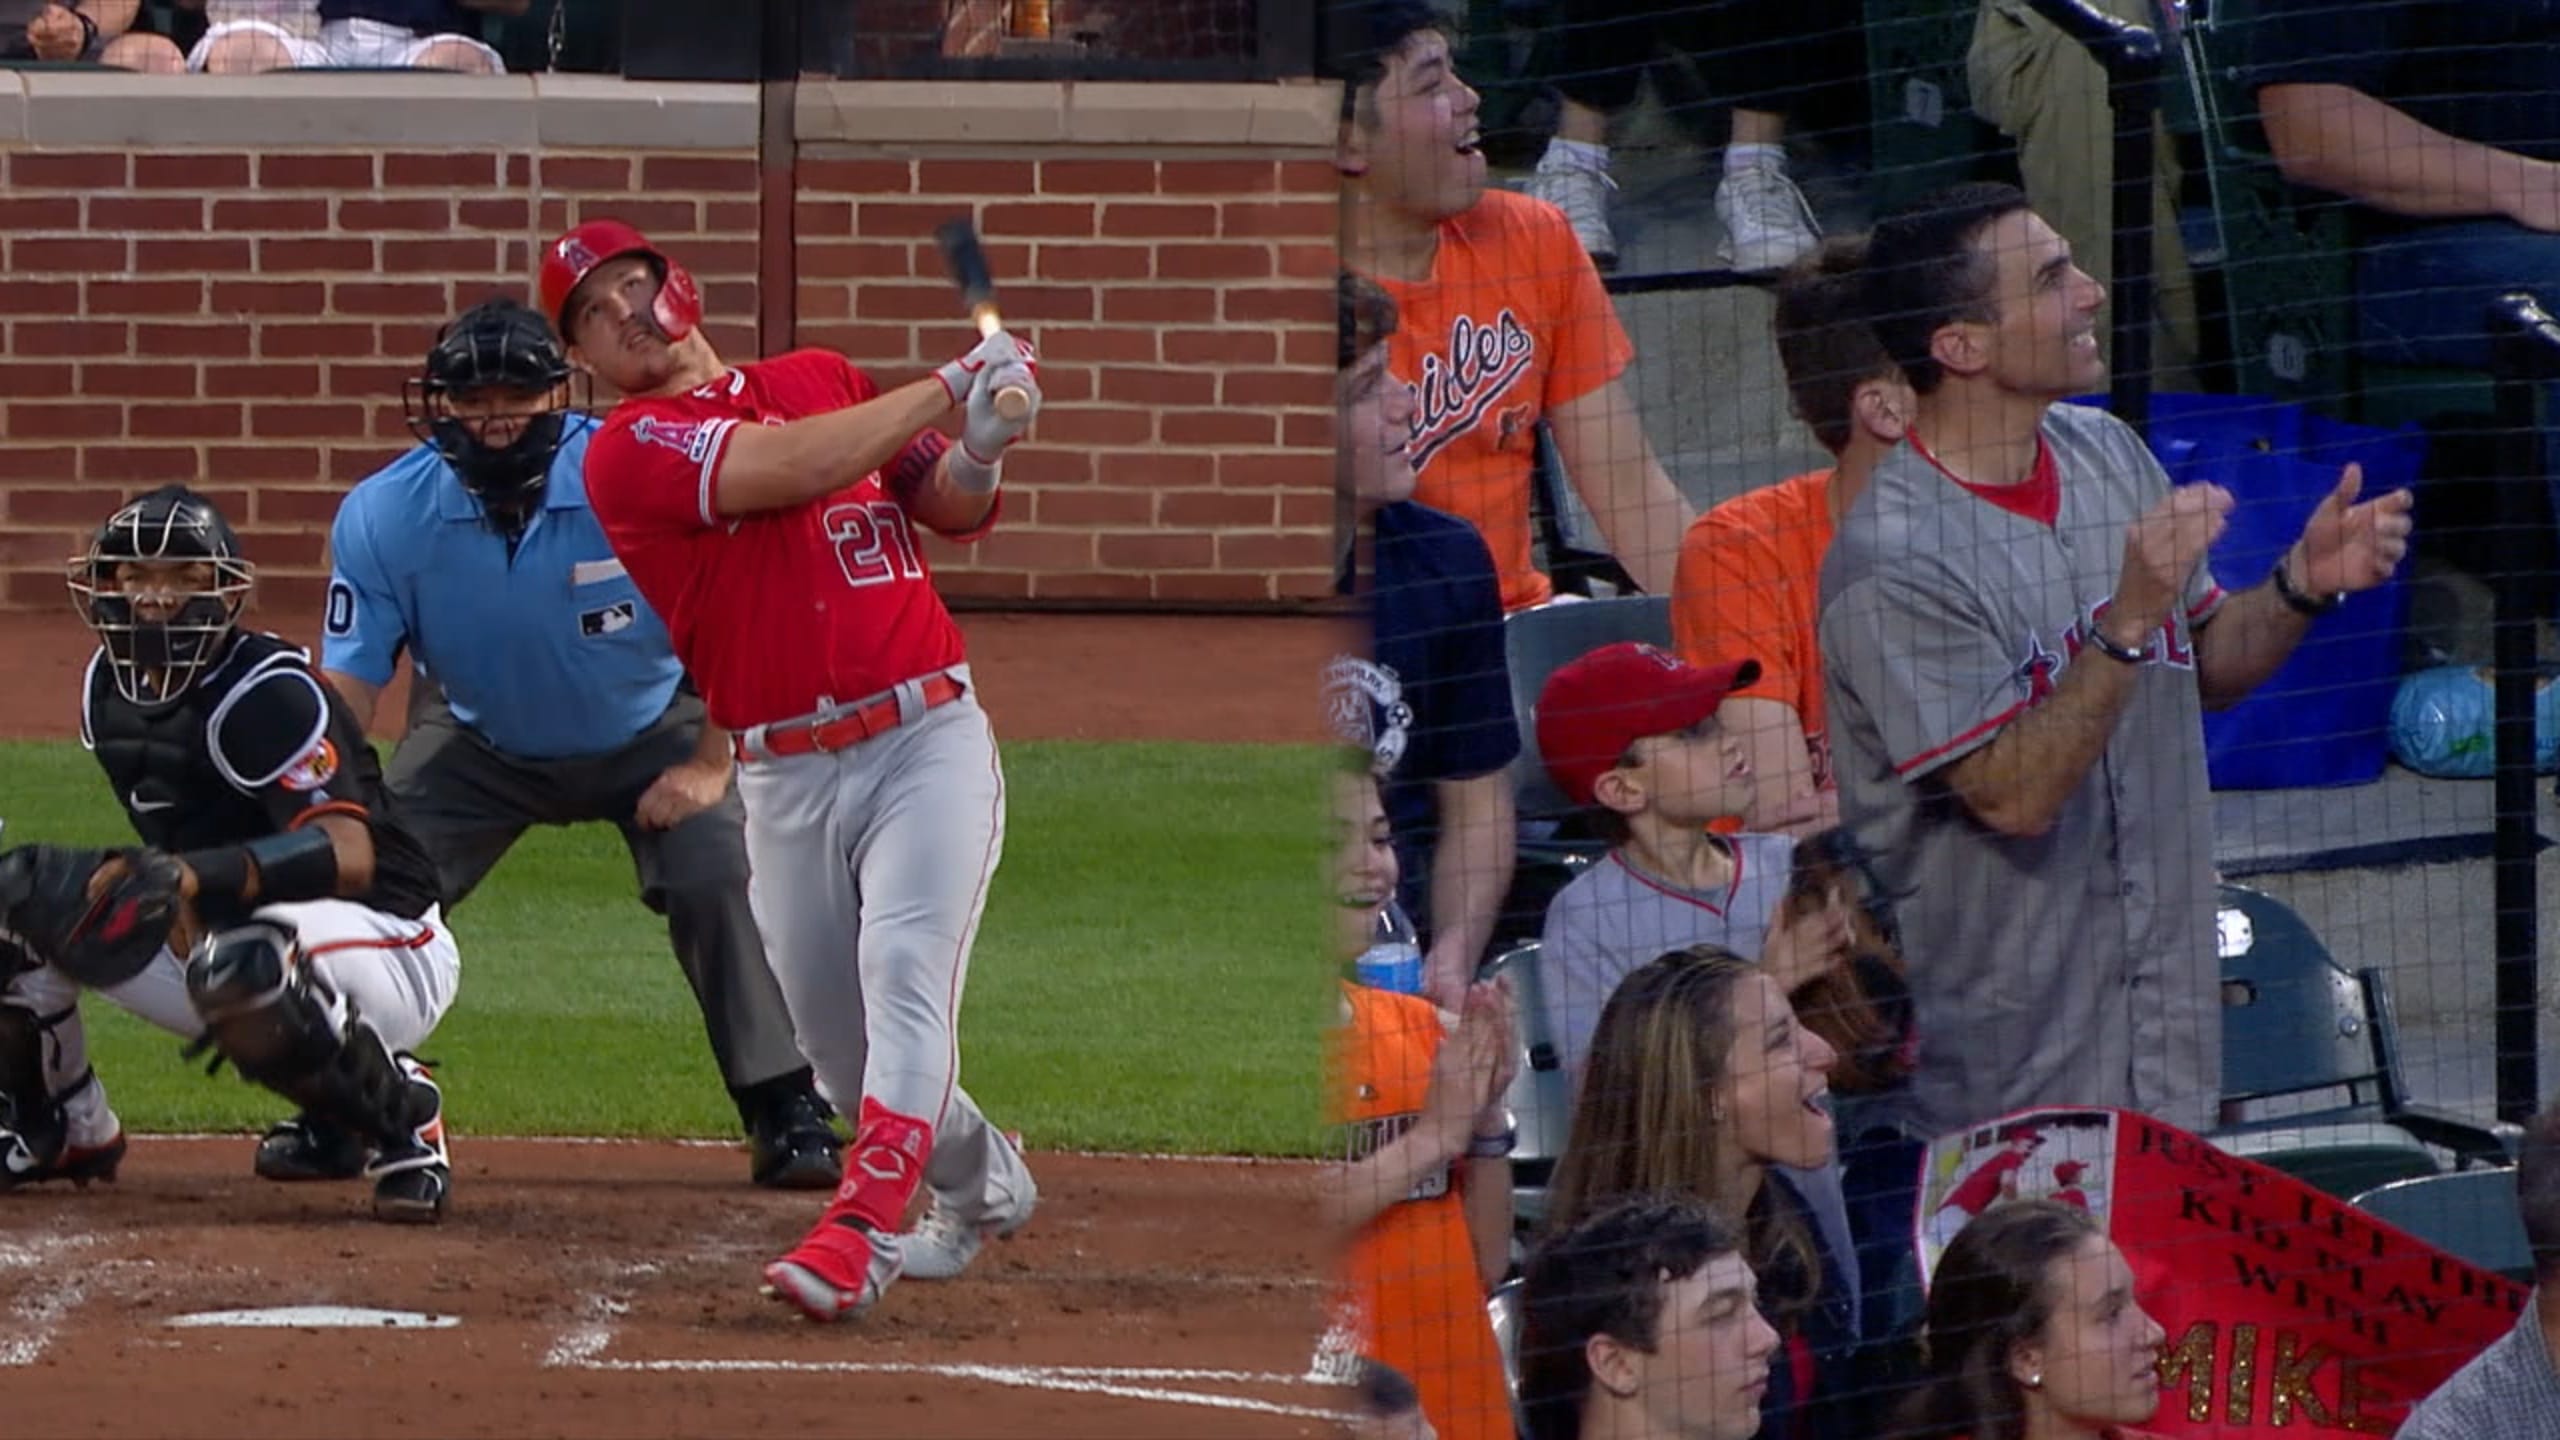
{"points": [[612, 619]]}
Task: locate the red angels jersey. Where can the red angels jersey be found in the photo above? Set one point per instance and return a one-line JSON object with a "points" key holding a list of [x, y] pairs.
{"points": [[781, 612]]}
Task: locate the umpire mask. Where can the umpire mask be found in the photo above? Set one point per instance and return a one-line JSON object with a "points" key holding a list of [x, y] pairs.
{"points": [[493, 400], [163, 583]]}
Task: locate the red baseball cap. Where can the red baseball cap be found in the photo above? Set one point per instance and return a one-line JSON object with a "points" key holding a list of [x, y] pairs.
{"points": [[1591, 709]]}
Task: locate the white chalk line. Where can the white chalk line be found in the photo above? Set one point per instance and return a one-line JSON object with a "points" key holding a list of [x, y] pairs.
{"points": [[39, 1314], [599, 1313], [583, 1345], [698, 1143], [1070, 1379]]}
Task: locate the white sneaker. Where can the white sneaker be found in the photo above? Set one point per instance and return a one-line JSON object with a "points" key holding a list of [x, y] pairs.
{"points": [[1582, 193], [1767, 225], [943, 1243]]}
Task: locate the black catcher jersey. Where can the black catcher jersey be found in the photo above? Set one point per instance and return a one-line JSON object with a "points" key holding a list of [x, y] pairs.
{"points": [[258, 745]]}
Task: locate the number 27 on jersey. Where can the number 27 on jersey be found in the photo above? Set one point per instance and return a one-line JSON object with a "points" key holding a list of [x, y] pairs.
{"points": [[873, 542]]}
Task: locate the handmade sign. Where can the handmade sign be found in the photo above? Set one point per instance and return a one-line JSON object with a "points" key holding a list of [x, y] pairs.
{"points": [[2290, 1313]]}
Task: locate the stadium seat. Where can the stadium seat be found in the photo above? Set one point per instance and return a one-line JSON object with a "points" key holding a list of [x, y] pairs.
{"points": [[1923, 132], [1502, 1307], [2342, 1159], [2296, 1026], [2288, 261], [2470, 1214], [1541, 1095], [1566, 532]]}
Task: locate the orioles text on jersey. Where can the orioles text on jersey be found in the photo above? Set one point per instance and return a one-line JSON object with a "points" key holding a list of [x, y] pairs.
{"points": [[1482, 365]]}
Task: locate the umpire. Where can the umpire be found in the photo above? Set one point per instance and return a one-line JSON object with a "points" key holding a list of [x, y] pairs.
{"points": [[562, 700]]}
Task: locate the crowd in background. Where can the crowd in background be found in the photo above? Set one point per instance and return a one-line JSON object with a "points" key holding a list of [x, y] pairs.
{"points": [[1975, 650]]}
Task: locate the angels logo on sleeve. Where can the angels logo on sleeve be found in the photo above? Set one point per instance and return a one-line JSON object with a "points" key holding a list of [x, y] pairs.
{"points": [[690, 438], [315, 768]]}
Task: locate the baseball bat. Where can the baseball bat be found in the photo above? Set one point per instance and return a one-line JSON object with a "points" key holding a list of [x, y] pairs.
{"points": [[967, 258]]}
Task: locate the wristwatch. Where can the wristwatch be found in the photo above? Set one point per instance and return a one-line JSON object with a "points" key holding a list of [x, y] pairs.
{"points": [[1498, 1145], [2301, 603], [2099, 642]]}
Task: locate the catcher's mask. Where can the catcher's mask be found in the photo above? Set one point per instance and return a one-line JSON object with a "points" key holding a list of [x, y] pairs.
{"points": [[162, 583], [493, 399]]}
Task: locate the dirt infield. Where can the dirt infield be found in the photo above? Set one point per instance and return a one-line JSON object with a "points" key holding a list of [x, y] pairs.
{"points": [[1044, 677], [610, 1289]]}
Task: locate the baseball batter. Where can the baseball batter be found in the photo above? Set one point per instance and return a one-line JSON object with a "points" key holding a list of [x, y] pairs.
{"points": [[2020, 631], [768, 513], [278, 915]]}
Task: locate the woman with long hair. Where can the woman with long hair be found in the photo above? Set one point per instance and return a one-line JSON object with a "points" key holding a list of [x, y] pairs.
{"points": [[2034, 1334], [1701, 1082]]}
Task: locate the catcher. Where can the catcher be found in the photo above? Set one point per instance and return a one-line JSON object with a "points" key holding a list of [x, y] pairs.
{"points": [[276, 913]]}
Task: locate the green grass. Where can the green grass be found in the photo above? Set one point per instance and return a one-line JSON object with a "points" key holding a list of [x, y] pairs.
{"points": [[1147, 977]]}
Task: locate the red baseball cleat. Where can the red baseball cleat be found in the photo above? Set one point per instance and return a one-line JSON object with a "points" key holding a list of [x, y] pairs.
{"points": [[839, 1271]]}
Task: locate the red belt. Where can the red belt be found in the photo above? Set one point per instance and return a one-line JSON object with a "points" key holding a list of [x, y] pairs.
{"points": [[811, 737]]}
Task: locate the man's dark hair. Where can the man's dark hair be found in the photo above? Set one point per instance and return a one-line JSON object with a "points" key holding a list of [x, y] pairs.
{"points": [[1824, 340], [1604, 1276], [1923, 274], [2538, 1192], [1364, 316], [1360, 35], [1383, 1390]]}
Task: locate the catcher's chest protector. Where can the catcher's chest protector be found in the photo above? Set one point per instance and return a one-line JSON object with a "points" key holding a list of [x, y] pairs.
{"points": [[161, 761]]}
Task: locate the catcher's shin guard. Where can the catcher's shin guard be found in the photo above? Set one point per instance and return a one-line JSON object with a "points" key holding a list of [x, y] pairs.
{"points": [[282, 1026], [35, 1140]]}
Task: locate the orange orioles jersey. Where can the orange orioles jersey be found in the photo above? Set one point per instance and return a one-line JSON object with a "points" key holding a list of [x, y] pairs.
{"points": [[1409, 1293], [1513, 323]]}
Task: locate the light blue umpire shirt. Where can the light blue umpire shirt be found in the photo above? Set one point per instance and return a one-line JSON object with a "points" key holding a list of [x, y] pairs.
{"points": [[548, 653]]}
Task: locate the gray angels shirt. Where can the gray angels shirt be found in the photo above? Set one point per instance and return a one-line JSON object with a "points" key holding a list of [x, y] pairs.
{"points": [[1613, 919], [2071, 968]]}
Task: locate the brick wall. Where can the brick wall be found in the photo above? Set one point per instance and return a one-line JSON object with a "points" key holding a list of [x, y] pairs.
{"points": [[244, 321], [241, 315], [1183, 315]]}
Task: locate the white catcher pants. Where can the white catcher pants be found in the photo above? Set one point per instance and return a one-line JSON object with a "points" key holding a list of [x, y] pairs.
{"points": [[400, 974], [868, 870]]}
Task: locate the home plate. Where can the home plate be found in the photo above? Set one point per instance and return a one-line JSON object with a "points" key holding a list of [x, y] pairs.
{"points": [[320, 1317]]}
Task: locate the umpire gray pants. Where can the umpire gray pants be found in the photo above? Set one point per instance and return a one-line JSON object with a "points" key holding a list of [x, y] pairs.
{"points": [[467, 802]]}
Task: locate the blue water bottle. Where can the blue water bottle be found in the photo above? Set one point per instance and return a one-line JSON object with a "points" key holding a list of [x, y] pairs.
{"points": [[1393, 960]]}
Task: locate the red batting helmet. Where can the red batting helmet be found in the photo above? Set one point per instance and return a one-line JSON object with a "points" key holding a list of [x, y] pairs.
{"points": [[574, 256]]}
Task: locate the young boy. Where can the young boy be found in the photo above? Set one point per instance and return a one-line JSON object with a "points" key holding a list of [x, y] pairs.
{"points": [[1420, 1201], [1642, 1323], [1630, 732]]}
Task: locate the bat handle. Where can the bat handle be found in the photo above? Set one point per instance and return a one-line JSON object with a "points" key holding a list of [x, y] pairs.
{"points": [[1012, 402]]}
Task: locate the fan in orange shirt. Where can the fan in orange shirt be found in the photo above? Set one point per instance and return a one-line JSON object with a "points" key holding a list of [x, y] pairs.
{"points": [[1505, 321], [1421, 1202], [1750, 573]]}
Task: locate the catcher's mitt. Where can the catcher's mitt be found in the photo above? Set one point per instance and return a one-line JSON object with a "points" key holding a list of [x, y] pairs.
{"points": [[45, 902]]}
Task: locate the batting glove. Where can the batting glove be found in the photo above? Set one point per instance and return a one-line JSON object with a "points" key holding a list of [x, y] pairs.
{"points": [[985, 435], [996, 349]]}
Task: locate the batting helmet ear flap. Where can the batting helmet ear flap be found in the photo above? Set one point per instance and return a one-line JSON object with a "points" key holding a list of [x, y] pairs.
{"points": [[678, 308]]}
